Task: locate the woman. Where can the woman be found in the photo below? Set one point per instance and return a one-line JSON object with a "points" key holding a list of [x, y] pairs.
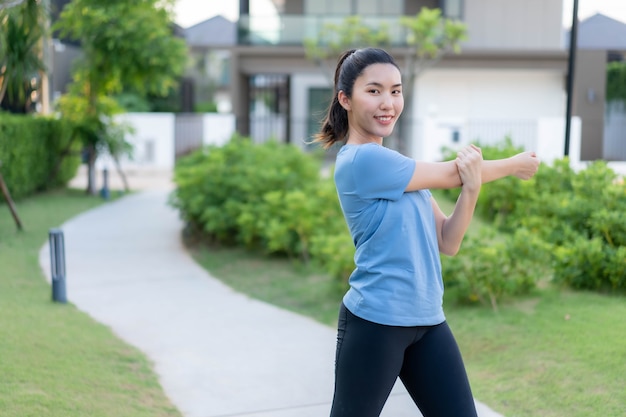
{"points": [[391, 322]]}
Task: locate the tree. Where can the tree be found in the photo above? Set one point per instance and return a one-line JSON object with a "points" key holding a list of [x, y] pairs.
{"points": [[429, 37], [335, 38], [616, 81], [126, 44], [20, 52]]}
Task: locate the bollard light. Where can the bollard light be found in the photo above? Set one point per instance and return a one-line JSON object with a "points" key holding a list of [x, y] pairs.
{"points": [[57, 265], [104, 192]]}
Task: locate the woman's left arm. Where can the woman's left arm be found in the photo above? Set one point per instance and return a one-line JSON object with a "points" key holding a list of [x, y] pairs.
{"points": [[451, 230]]}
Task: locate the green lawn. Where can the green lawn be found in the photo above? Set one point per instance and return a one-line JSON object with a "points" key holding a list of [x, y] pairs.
{"points": [[553, 354], [54, 359]]}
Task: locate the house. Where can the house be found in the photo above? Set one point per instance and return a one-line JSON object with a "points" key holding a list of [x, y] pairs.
{"points": [[509, 79], [209, 44], [600, 39]]}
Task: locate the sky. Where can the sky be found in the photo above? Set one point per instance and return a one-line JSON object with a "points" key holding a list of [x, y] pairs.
{"points": [[190, 12]]}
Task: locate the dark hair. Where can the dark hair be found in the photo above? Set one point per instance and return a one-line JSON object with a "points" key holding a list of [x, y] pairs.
{"points": [[350, 66]]}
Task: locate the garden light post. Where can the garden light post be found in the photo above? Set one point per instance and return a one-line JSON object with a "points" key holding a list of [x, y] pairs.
{"points": [[570, 76], [57, 265]]}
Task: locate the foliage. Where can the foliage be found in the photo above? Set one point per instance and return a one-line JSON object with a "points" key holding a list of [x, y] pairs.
{"points": [[20, 53], [234, 196], [335, 252], [497, 199], [95, 123], [288, 221], [126, 45], [334, 38], [562, 224], [132, 102], [216, 184], [503, 268], [616, 81], [428, 34], [579, 214], [431, 36], [37, 153], [206, 107], [590, 230]]}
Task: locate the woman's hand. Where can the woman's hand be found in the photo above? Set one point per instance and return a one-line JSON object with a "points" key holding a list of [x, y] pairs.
{"points": [[526, 165], [469, 164]]}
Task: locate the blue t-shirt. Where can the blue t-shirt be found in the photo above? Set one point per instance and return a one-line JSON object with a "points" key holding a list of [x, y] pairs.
{"points": [[397, 280]]}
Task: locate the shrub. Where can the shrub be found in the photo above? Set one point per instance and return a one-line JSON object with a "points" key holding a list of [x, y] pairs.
{"points": [[205, 107], [37, 153], [288, 221], [268, 197], [580, 213], [216, 185], [487, 269]]}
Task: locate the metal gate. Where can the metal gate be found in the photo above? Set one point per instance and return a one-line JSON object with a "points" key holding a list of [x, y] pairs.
{"points": [[615, 131], [188, 133]]}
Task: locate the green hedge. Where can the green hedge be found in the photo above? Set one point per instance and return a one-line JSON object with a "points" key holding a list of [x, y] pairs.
{"points": [[564, 226], [267, 197], [574, 224], [36, 153]]}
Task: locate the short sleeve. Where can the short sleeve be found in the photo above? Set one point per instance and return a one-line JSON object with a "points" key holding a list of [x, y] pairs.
{"points": [[381, 173]]}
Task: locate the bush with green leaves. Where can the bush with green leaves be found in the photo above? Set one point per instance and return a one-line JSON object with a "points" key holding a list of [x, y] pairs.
{"points": [[37, 153], [562, 224], [488, 269], [268, 197], [288, 222], [500, 198], [216, 185], [579, 213]]}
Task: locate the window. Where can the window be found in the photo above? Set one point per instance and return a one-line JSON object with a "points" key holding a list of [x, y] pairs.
{"points": [[319, 99], [350, 7], [452, 9]]}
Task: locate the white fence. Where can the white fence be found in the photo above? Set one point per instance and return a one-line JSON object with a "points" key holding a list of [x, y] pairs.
{"points": [[546, 136], [614, 148], [158, 138], [155, 138]]}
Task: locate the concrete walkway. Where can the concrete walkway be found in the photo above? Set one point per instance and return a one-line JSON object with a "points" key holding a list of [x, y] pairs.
{"points": [[216, 352]]}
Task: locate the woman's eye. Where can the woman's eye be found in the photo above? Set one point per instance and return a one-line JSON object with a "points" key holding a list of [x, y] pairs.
{"points": [[374, 91]]}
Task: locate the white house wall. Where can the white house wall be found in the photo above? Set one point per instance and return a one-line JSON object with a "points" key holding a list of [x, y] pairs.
{"points": [[490, 94], [484, 105], [153, 139], [217, 128], [299, 103], [469, 105], [508, 24]]}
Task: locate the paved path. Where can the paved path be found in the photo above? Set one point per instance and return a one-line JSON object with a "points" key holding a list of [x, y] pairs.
{"points": [[217, 353]]}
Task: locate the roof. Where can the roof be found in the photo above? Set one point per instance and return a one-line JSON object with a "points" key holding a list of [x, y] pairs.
{"points": [[600, 32], [216, 31]]}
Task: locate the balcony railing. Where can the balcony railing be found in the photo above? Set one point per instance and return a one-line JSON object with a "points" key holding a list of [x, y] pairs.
{"points": [[294, 29]]}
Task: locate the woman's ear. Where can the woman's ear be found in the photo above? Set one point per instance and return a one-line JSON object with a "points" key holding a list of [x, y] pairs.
{"points": [[344, 100]]}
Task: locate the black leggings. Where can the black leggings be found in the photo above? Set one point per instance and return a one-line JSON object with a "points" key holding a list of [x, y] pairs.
{"points": [[371, 356]]}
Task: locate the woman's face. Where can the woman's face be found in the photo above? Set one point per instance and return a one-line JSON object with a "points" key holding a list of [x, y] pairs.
{"points": [[375, 105]]}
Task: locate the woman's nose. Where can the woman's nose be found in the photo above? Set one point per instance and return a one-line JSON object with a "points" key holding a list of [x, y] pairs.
{"points": [[386, 101]]}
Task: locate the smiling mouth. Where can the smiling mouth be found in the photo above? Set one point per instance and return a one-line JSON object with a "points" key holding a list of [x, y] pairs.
{"points": [[384, 118]]}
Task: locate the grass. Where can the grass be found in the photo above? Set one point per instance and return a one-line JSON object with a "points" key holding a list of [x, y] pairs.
{"points": [[54, 359], [556, 353]]}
